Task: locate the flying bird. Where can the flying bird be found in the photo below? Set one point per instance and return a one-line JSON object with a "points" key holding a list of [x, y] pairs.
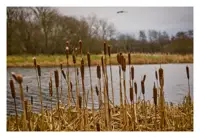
{"points": [[121, 12]]}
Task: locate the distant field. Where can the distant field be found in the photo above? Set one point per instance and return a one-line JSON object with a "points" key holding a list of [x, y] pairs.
{"points": [[137, 58]]}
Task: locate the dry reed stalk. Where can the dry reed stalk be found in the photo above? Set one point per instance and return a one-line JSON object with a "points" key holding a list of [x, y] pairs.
{"points": [[19, 79], [81, 50], [57, 94], [123, 62], [68, 76], [12, 87], [51, 94], [83, 89], [99, 81], [161, 79], [61, 83], [27, 114], [92, 94], [129, 63], [40, 91], [143, 93], [156, 75], [155, 102], [113, 96], [188, 77], [132, 107]]}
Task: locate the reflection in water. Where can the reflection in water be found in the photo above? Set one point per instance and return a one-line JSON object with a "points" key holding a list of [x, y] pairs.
{"points": [[175, 87]]}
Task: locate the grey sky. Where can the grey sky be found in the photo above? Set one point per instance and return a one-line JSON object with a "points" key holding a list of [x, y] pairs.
{"points": [[170, 19]]}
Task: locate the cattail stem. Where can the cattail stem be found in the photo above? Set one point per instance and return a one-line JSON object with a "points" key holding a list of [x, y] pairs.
{"points": [[77, 88], [113, 96], [16, 115]]}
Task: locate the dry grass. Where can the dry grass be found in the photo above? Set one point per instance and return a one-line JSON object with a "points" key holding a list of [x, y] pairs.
{"points": [[137, 58], [177, 118]]}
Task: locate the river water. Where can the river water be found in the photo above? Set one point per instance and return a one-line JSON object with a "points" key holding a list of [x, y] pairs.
{"points": [[175, 88]]}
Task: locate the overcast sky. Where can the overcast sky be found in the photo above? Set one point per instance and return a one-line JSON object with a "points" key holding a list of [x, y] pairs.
{"points": [[170, 19]]}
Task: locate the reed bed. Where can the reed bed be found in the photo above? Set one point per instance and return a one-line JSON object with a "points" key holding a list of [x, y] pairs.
{"points": [[132, 114]]}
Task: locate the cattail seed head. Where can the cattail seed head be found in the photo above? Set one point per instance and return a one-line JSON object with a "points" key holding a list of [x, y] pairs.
{"points": [[156, 74], [97, 91], [132, 73], [39, 70], [80, 101], [63, 73], [12, 87], [142, 86], [88, 58], [123, 63], [109, 52], [161, 76], [14, 76], [144, 78], [98, 72], [67, 52], [129, 58], [155, 94], [135, 86], [71, 85], [102, 64], [56, 78], [74, 59], [27, 88], [82, 68], [80, 44], [131, 94], [31, 100], [118, 58], [34, 62], [105, 48], [19, 78], [50, 89], [187, 71]]}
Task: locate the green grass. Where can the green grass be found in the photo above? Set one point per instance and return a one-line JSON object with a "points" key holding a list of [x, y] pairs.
{"points": [[137, 58]]}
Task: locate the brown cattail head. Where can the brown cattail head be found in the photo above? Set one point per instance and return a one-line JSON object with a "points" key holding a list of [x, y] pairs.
{"points": [[67, 52], [71, 85], [129, 58], [98, 72], [155, 94], [50, 89], [74, 58], [102, 64], [82, 68], [88, 58], [61, 66], [144, 78], [187, 71], [161, 76], [63, 73], [135, 86], [27, 88], [123, 63], [105, 48], [19, 78], [131, 94], [56, 78], [119, 59], [14, 76], [80, 101], [109, 52], [156, 74], [39, 70], [12, 87], [142, 86], [97, 91], [98, 127], [34, 62], [31, 100], [80, 44], [132, 72]]}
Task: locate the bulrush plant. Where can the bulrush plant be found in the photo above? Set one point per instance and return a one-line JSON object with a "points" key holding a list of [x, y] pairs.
{"points": [[113, 96], [188, 77], [61, 93], [12, 88], [81, 48], [155, 102], [19, 79], [162, 100], [99, 82], [92, 95], [132, 108]]}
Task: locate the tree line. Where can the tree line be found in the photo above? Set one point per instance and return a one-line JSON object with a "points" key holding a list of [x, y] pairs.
{"points": [[43, 30]]}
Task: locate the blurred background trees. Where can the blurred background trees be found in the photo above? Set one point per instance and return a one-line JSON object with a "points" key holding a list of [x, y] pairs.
{"points": [[43, 30]]}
